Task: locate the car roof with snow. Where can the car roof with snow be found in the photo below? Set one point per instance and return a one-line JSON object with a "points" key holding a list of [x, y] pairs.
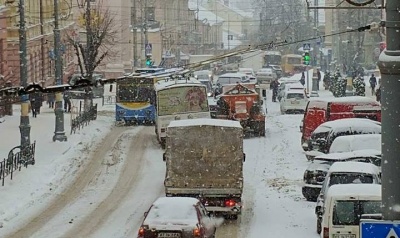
{"points": [[232, 75], [162, 84], [347, 123], [356, 142], [351, 100], [347, 190], [204, 122], [354, 167], [348, 155], [170, 210]]}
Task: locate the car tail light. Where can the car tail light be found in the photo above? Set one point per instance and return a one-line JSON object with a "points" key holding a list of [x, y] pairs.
{"points": [[141, 232], [197, 232], [326, 232], [230, 203]]}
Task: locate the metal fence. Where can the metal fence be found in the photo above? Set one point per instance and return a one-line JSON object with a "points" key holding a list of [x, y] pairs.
{"points": [[17, 160], [83, 118]]}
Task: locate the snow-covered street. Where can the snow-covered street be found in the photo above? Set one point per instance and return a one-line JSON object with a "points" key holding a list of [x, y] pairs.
{"points": [[100, 182]]}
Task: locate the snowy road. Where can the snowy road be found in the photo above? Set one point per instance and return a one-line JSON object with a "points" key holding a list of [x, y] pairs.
{"points": [[125, 174]]}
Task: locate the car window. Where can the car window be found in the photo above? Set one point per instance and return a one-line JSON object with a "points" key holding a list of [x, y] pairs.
{"points": [[295, 96]]}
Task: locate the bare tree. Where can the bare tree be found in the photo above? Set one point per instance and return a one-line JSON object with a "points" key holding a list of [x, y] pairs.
{"points": [[99, 26]]}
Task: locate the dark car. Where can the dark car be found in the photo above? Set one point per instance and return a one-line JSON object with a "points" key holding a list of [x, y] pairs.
{"points": [[315, 173], [177, 217]]}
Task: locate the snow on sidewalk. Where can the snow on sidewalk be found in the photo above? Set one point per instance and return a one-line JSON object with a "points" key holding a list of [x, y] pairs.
{"points": [[56, 162]]}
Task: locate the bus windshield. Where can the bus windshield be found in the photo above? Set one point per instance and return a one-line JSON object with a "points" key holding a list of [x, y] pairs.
{"points": [[179, 100], [294, 60], [272, 59]]}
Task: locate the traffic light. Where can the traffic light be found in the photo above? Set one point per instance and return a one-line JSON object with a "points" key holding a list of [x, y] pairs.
{"points": [[149, 62], [306, 58]]}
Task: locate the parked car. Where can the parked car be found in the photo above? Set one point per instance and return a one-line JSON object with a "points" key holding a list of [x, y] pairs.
{"points": [[315, 173], [286, 86], [356, 142], [345, 205], [265, 76], [320, 110], [323, 136], [248, 71], [293, 101], [177, 217], [345, 173]]}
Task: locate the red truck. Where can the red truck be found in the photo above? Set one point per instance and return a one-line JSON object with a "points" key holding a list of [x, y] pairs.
{"points": [[319, 111]]}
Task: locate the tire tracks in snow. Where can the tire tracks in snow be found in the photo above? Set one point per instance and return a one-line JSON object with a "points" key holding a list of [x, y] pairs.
{"points": [[85, 176], [126, 182]]}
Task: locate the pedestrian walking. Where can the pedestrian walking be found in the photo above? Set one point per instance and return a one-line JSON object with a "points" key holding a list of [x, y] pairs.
{"points": [[372, 83], [274, 86], [303, 79], [378, 94], [319, 78], [39, 101], [51, 100], [67, 102], [32, 100]]}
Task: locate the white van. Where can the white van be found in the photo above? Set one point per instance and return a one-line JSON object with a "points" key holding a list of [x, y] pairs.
{"points": [[345, 204], [346, 173], [293, 101]]}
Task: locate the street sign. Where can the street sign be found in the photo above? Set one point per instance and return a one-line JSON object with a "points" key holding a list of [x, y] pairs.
{"points": [[149, 47], [379, 229], [306, 46]]}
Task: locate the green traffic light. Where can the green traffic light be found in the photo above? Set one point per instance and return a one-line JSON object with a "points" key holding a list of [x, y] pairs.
{"points": [[307, 59]]}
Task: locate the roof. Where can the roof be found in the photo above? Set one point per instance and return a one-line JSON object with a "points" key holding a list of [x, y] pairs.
{"points": [[232, 75], [347, 190], [203, 14], [354, 167], [160, 85], [356, 142], [347, 123], [173, 211], [205, 122], [348, 155]]}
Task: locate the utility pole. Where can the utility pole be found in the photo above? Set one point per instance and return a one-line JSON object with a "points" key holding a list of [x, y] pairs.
{"points": [[178, 47], [389, 65], [43, 40], [134, 30], [59, 133], [24, 127]]}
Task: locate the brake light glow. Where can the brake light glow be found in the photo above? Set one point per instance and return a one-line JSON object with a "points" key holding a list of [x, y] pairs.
{"points": [[196, 232], [141, 232], [326, 232], [230, 203]]}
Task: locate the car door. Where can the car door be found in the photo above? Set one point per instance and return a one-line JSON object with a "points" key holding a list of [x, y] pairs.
{"points": [[206, 221]]}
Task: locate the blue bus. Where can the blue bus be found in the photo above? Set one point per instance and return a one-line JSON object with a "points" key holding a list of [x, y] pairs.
{"points": [[135, 101], [136, 97]]}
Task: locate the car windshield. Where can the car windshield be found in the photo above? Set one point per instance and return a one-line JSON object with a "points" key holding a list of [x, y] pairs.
{"points": [[346, 178], [202, 76], [349, 212]]}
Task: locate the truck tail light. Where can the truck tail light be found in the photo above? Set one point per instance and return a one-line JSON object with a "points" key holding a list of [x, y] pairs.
{"points": [[230, 203], [326, 232]]}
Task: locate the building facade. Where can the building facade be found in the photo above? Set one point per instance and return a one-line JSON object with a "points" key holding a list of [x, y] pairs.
{"points": [[40, 41]]}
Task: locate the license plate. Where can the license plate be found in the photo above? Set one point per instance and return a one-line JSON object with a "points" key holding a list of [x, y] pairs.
{"points": [[169, 235], [295, 102], [344, 236]]}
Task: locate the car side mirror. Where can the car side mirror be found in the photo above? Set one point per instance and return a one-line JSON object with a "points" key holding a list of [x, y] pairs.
{"points": [[244, 157], [164, 157], [305, 146]]}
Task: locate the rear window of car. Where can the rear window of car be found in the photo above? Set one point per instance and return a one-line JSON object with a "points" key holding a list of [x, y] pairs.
{"points": [[295, 96], [348, 178], [171, 213]]}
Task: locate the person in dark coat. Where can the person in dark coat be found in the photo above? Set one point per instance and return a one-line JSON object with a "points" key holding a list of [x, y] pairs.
{"points": [[32, 99], [319, 78], [51, 99], [372, 82], [378, 94], [39, 102], [274, 86], [303, 79], [67, 102]]}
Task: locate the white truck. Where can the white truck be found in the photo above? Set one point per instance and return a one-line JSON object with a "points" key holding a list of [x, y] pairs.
{"points": [[204, 159]]}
